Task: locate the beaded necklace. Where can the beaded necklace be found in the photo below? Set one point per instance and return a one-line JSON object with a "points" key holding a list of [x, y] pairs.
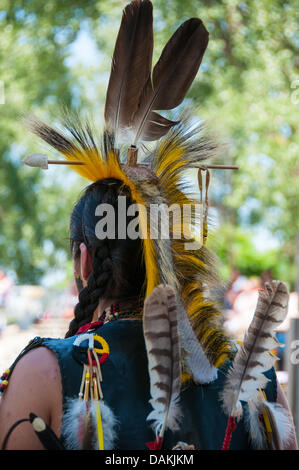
{"points": [[112, 313]]}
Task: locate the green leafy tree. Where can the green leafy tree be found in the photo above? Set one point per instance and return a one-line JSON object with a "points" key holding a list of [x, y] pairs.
{"points": [[34, 76], [244, 91]]}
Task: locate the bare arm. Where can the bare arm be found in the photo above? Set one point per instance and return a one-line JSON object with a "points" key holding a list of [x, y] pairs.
{"points": [[34, 386]]}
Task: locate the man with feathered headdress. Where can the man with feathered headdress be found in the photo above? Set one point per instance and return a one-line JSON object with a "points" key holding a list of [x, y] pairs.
{"points": [[145, 361]]}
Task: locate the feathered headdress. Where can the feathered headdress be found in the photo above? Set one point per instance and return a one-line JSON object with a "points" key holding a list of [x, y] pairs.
{"points": [[136, 94]]}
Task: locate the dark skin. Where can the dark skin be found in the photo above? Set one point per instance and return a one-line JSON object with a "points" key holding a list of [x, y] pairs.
{"points": [[35, 386]]}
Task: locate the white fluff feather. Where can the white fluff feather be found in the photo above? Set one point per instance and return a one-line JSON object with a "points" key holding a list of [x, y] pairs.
{"points": [[281, 424], [195, 359], [75, 410]]}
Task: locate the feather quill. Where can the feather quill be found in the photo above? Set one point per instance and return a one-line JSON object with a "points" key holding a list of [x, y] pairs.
{"points": [[246, 376], [162, 344], [131, 65], [173, 74], [156, 127]]}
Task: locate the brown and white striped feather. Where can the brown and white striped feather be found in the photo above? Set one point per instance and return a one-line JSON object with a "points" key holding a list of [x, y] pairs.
{"points": [[162, 343], [254, 357]]}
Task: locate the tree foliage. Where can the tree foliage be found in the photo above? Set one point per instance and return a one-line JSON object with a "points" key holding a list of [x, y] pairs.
{"points": [[34, 39], [244, 91]]}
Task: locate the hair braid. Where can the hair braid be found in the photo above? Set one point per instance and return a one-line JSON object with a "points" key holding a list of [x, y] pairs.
{"points": [[118, 269], [96, 287]]}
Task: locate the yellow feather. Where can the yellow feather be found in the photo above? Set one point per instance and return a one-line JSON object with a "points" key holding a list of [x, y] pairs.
{"points": [[191, 266]]}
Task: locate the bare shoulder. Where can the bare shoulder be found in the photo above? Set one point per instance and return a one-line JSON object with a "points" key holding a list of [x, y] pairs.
{"points": [[34, 386], [35, 371], [41, 361]]}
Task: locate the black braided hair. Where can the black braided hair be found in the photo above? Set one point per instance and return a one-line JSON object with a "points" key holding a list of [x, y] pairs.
{"points": [[117, 265]]}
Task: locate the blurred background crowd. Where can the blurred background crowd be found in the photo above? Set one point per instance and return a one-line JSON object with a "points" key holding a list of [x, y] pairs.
{"points": [[24, 308], [247, 91]]}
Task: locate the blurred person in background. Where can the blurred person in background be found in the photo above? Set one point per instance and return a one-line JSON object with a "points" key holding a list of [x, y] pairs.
{"points": [[6, 284]]}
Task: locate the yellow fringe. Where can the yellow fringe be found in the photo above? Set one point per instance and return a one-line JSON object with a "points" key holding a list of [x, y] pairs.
{"points": [[100, 427]]}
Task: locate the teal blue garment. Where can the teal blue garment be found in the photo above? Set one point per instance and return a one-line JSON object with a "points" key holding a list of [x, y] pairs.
{"points": [[126, 391]]}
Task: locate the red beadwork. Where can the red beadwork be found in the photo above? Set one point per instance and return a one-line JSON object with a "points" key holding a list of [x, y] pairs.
{"points": [[103, 358], [156, 444], [231, 426], [89, 326]]}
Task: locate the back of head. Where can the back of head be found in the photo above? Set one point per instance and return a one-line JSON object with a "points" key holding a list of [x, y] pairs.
{"points": [[118, 270]]}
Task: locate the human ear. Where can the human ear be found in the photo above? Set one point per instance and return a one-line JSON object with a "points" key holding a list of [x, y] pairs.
{"points": [[85, 263]]}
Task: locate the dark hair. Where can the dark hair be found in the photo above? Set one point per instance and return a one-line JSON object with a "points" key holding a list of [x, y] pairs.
{"points": [[117, 264]]}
